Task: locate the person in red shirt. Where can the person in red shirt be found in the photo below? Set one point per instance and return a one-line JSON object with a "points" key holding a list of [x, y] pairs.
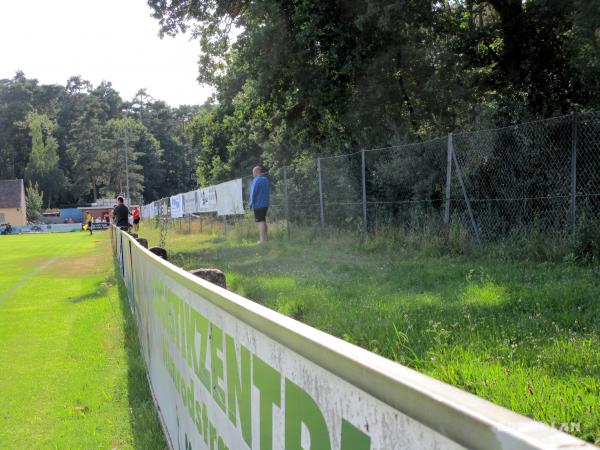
{"points": [[136, 219]]}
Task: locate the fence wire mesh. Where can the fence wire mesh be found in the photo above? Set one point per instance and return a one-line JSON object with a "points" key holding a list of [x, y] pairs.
{"points": [[541, 176]]}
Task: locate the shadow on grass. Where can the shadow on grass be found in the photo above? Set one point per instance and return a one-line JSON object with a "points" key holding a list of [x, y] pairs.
{"points": [[145, 424], [100, 291]]}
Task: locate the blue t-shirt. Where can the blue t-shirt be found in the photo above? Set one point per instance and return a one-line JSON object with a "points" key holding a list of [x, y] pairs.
{"points": [[259, 193]]}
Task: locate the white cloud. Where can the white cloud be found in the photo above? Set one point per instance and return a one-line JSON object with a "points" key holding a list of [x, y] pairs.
{"points": [[113, 40]]}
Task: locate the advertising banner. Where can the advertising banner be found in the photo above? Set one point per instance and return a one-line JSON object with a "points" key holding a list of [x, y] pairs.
{"points": [[190, 202], [229, 198], [148, 211], [228, 373], [176, 206], [207, 199]]}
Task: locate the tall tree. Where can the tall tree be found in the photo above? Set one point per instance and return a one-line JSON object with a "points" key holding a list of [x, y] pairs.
{"points": [[88, 151], [42, 168]]}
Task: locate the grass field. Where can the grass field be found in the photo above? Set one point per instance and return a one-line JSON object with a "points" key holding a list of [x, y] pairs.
{"points": [[70, 371], [523, 334]]}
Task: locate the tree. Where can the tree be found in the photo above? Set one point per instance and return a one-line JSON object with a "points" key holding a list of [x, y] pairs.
{"points": [[34, 200], [144, 159], [88, 150], [42, 168]]}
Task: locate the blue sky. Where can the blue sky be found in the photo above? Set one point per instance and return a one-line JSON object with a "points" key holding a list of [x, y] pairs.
{"points": [[113, 40]]}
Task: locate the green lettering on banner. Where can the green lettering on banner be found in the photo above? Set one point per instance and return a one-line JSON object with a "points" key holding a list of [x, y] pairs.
{"points": [[222, 445], [198, 418], [198, 324], [171, 311], [190, 336], [353, 438], [212, 431], [181, 327], [300, 409], [268, 382], [239, 387], [158, 303], [205, 422], [216, 365]]}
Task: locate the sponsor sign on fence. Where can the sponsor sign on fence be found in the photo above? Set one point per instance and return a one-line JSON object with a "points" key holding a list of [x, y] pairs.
{"points": [[47, 228], [176, 206], [227, 373]]}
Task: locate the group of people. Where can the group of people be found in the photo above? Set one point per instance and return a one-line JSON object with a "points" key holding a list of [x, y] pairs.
{"points": [[120, 217], [258, 201], [7, 229]]}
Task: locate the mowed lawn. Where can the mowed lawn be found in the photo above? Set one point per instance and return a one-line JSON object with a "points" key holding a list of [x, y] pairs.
{"points": [[71, 376], [522, 334]]}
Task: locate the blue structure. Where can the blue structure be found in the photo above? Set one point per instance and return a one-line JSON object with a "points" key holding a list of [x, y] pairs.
{"points": [[74, 213]]}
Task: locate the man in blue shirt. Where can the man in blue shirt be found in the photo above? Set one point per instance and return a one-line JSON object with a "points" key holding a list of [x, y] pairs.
{"points": [[259, 201]]}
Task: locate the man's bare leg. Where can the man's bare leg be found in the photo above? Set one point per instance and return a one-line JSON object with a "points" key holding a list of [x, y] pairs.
{"points": [[262, 229]]}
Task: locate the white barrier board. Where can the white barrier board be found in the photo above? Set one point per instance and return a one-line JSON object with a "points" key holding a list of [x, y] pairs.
{"points": [[227, 373]]}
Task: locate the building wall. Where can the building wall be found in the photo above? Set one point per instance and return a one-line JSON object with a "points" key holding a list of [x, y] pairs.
{"points": [[14, 216], [71, 213]]}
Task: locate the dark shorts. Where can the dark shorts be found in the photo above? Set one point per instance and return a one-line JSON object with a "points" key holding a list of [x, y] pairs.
{"points": [[136, 221], [260, 214]]}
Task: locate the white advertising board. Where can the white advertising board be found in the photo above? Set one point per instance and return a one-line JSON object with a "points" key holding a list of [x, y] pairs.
{"points": [[228, 373], [229, 198], [207, 199], [176, 202]]}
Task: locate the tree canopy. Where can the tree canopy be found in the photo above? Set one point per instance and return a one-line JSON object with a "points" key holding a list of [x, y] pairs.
{"points": [[69, 141], [305, 78]]}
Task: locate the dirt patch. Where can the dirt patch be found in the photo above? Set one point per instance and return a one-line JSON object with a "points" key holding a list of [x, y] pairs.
{"points": [[80, 266]]}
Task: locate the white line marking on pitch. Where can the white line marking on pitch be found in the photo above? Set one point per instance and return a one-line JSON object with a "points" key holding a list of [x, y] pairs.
{"points": [[31, 274]]}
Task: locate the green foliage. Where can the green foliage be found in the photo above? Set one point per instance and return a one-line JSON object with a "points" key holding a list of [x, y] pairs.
{"points": [[34, 200], [587, 240], [320, 78], [78, 141], [43, 166]]}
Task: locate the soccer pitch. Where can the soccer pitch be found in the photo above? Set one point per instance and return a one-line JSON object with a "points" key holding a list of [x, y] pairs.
{"points": [[71, 374]]}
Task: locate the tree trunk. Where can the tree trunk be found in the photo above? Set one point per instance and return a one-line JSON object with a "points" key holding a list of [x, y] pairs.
{"points": [[512, 20]]}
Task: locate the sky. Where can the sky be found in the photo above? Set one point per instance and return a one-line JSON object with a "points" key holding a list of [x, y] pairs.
{"points": [[112, 40]]}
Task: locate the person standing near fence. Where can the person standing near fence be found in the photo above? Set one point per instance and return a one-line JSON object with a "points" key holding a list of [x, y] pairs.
{"points": [[121, 214], [259, 200], [136, 219]]}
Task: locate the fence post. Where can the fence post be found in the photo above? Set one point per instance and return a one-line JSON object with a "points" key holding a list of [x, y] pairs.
{"points": [[448, 178], [321, 194], [285, 201], [574, 124], [466, 197], [364, 192]]}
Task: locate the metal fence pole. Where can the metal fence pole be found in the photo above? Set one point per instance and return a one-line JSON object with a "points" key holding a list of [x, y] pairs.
{"points": [[321, 194], [466, 197], [364, 192], [285, 201], [448, 178], [575, 120]]}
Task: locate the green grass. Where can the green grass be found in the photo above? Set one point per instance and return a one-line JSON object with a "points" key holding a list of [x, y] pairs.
{"points": [[522, 334], [71, 373]]}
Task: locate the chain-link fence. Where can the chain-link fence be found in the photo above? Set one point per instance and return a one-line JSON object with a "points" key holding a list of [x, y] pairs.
{"points": [[541, 176]]}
